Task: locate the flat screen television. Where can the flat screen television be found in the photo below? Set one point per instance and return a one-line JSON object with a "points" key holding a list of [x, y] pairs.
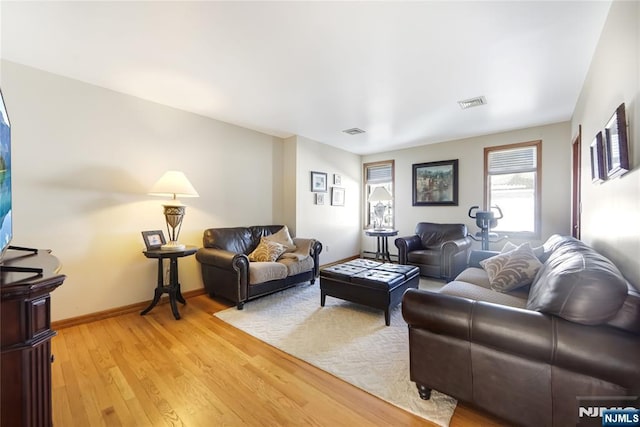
{"points": [[6, 225]]}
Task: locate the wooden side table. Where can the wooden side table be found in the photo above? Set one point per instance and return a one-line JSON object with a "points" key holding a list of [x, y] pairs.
{"points": [[383, 242], [173, 287]]}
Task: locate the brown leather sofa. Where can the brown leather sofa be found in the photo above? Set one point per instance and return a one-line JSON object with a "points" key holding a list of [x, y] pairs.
{"points": [[227, 271], [439, 250], [528, 355]]}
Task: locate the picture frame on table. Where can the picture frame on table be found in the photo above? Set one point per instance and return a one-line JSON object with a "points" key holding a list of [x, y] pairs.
{"points": [[435, 183], [153, 239], [318, 182], [337, 196]]}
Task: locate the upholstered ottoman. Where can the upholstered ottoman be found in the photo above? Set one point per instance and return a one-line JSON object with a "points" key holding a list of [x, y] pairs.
{"points": [[369, 283]]}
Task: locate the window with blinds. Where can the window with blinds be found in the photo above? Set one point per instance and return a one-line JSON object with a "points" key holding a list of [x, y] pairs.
{"points": [[378, 174], [512, 182]]}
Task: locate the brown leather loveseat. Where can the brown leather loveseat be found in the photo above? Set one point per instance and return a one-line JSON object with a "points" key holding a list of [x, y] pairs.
{"points": [[530, 354], [439, 250], [228, 272]]}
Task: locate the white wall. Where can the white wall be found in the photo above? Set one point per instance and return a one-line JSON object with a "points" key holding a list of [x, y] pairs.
{"points": [[338, 227], [556, 177], [83, 160], [610, 211]]}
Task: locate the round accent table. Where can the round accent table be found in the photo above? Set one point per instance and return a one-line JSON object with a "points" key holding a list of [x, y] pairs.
{"points": [[173, 287], [382, 251]]}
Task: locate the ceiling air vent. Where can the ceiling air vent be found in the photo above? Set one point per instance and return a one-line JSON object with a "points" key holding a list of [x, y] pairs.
{"points": [[353, 131], [472, 102]]}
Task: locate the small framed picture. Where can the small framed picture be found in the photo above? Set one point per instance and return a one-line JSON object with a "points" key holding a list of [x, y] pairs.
{"points": [[318, 182], [319, 198], [337, 179], [337, 196], [153, 239]]}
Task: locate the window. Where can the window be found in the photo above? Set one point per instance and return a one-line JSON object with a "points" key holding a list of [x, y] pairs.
{"points": [[512, 182], [378, 174]]}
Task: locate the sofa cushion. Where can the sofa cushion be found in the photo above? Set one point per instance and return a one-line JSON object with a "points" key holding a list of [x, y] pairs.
{"points": [[479, 293], [628, 317], [238, 240], [295, 265], [267, 251], [433, 235], [260, 272], [283, 237], [513, 269], [424, 256], [577, 284], [474, 275]]}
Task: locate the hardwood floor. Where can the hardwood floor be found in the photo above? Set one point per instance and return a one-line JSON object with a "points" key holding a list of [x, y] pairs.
{"points": [[152, 370]]}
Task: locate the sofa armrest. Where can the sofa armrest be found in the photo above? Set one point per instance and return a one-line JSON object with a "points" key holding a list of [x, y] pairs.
{"points": [[454, 257], [476, 256], [598, 351], [517, 331], [223, 259], [312, 248], [405, 245]]}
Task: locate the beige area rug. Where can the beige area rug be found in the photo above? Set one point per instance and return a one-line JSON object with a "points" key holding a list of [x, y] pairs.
{"points": [[348, 340]]}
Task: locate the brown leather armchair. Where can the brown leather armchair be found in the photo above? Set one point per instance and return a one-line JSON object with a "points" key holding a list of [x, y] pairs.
{"points": [[439, 250]]}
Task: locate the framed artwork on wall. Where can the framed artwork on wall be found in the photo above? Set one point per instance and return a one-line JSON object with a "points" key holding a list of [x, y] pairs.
{"points": [[337, 196], [617, 148], [597, 159], [435, 183], [318, 181], [337, 179], [319, 198]]}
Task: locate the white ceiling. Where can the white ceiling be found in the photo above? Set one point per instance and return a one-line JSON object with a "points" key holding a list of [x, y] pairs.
{"points": [[395, 69]]}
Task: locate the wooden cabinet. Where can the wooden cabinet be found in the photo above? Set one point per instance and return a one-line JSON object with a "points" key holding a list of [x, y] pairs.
{"points": [[25, 337]]}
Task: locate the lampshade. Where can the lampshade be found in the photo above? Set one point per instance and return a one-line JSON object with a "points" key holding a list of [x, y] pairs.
{"points": [[174, 184], [380, 194]]}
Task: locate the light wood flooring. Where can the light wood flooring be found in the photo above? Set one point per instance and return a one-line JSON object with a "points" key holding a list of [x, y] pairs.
{"points": [[152, 370]]}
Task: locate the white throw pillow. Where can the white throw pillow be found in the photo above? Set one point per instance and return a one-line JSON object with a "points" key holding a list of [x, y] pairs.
{"points": [[283, 237], [512, 269], [538, 251]]}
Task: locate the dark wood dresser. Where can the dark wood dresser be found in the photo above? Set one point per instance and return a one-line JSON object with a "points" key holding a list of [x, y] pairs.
{"points": [[25, 336]]}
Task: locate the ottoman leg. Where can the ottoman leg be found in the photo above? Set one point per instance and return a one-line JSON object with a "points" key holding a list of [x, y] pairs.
{"points": [[323, 296], [387, 317]]}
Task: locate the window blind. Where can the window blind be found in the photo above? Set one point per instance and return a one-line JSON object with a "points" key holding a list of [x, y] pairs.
{"points": [[512, 160], [379, 173]]}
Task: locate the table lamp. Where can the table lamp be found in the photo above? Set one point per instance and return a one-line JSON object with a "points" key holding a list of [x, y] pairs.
{"points": [[174, 184], [379, 194]]}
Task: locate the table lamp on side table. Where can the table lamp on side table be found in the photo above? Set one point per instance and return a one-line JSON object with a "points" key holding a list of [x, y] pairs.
{"points": [[174, 184], [380, 194]]}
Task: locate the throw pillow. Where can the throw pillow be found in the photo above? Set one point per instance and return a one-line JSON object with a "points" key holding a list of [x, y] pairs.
{"points": [[513, 269], [267, 251], [283, 237], [538, 251]]}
